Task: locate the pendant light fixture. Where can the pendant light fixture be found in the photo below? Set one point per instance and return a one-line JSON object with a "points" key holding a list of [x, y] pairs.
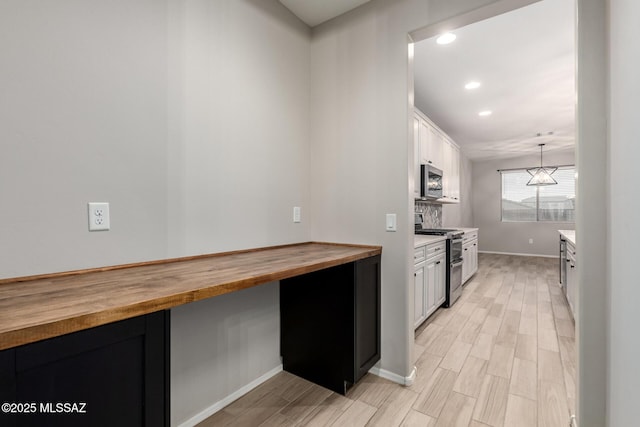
{"points": [[541, 175]]}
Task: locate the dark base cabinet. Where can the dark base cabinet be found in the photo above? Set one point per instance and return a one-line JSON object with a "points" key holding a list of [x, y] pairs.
{"points": [[330, 323], [111, 375]]}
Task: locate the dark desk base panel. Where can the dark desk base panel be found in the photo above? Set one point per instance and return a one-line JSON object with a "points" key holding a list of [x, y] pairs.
{"points": [[116, 374], [330, 323]]}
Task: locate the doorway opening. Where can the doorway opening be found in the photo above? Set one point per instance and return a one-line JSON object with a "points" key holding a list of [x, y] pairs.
{"points": [[494, 92]]}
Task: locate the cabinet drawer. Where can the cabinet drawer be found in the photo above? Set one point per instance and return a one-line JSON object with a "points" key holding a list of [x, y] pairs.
{"points": [[470, 236], [419, 254], [436, 249]]}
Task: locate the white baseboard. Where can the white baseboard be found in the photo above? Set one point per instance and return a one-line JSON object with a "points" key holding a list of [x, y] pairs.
{"points": [[517, 254], [203, 415], [391, 376]]}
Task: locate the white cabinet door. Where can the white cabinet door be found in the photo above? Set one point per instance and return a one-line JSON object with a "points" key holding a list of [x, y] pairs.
{"points": [[466, 261], [572, 278], [436, 141], [419, 307], [454, 181], [431, 286], [470, 259], [447, 177], [436, 283], [440, 284], [474, 258], [425, 134], [416, 156]]}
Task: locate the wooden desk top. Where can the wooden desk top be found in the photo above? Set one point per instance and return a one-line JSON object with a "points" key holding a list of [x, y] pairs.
{"points": [[39, 307]]}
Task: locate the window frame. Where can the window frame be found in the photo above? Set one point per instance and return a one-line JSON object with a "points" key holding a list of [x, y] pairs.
{"points": [[537, 208]]}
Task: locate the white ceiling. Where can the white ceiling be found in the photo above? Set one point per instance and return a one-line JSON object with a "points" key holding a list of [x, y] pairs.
{"points": [[525, 62], [314, 12]]}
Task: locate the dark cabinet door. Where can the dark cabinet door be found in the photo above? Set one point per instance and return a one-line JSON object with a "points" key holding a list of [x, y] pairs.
{"points": [[316, 326], [116, 374], [367, 315], [330, 323]]}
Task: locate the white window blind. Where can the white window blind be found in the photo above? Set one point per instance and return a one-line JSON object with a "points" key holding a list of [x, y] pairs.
{"points": [[538, 203]]}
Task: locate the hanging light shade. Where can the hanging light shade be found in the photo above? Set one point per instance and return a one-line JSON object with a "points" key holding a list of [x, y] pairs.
{"points": [[541, 175]]}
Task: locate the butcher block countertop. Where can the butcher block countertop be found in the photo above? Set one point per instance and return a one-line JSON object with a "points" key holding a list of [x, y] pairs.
{"points": [[40, 307]]}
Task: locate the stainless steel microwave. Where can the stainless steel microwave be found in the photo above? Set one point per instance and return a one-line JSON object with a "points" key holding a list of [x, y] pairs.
{"points": [[430, 182]]}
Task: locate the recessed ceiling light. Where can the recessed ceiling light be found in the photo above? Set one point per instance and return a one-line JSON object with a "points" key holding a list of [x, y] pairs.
{"points": [[446, 38], [485, 113], [472, 85]]}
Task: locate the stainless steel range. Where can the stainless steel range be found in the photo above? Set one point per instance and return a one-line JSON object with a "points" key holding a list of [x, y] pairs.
{"points": [[454, 260]]}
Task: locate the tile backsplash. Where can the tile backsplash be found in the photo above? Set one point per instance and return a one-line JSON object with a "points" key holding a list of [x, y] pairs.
{"points": [[432, 214]]}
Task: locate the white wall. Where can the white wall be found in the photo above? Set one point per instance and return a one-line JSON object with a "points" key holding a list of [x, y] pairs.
{"points": [[192, 119], [513, 237], [360, 141], [82, 118], [238, 160], [593, 235], [624, 152]]}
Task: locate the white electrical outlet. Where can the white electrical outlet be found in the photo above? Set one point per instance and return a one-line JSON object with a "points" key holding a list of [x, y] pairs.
{"points": [[531, 241], [99, 217], [296, 214]]}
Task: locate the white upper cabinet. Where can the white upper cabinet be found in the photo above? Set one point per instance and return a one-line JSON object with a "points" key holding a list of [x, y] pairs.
{"points": [[434, 148], [447, 179], [451, 171], [455, 172], [416, 156], [437, 149]]}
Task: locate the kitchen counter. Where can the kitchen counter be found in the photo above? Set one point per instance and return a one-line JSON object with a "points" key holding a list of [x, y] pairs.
{"points": [[420, 240], [466, 229], [570, 235], [39, 307]]}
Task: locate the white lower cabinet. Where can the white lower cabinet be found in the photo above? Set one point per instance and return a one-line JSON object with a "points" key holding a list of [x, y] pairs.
{"points": [[469, 255], [419, 294], [572, 279], [429, 282], [436, 282]]}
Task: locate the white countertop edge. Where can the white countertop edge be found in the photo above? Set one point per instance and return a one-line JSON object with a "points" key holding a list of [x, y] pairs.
{"points": [[570, 235], [421, 240], [466, 229]]}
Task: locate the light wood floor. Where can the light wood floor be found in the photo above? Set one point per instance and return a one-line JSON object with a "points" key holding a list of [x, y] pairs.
{"points": [[503, 355]]}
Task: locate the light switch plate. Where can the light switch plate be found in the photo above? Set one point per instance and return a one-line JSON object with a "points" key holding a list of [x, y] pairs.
{"points": [[391, 222], [99, 216], [296, 214]]}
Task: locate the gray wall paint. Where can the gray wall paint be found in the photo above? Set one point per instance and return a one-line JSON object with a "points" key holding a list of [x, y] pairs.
{"points": [[512, 237], [598, 370], [623, 292], [238, 160], [192, 119], [82, 118], [360, 141], [217, 348]]}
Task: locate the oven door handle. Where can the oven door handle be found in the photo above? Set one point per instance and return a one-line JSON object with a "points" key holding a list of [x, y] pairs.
{"points": [[456, 263]]}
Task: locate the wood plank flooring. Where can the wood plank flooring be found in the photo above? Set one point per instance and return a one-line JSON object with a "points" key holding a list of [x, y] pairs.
{"points": [[503, 355]]}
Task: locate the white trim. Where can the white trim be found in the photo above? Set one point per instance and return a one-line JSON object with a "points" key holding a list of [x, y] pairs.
{"points": [[517, 254], [207, 412], [383, 373]]}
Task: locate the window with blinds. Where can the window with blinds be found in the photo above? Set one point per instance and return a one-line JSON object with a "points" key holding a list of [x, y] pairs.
{"points": [[538, 203]]}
